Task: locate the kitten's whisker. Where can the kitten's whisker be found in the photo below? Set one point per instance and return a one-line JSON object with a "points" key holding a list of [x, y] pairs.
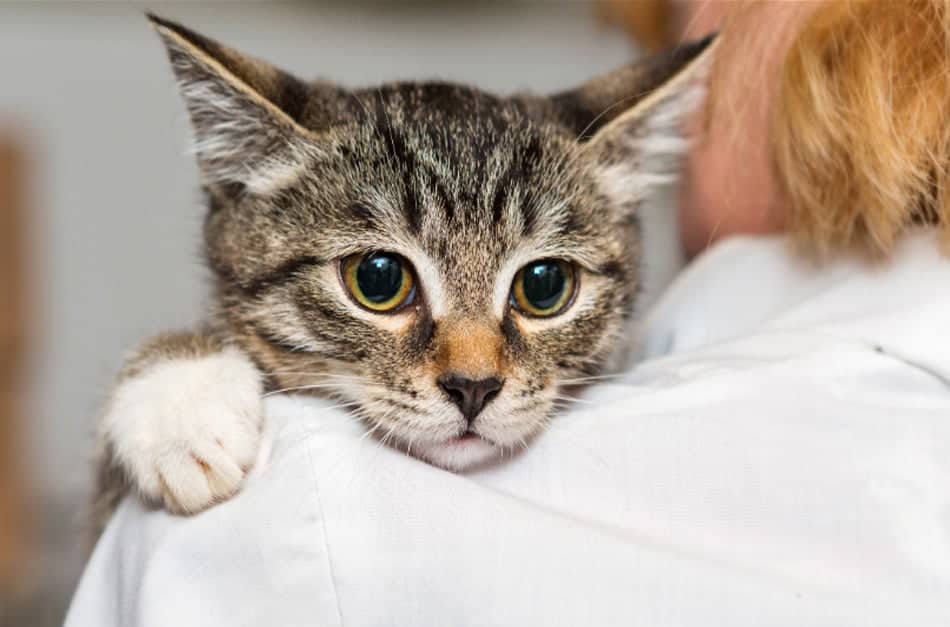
{"points": [[325, 375], [602, 377], [347, 404], [370, 432], [314, 372], [571, 399], [389, 434], [298, 388]]}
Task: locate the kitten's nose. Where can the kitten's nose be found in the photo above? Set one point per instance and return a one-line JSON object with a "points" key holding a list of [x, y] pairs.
{"points": [[470, 395]]}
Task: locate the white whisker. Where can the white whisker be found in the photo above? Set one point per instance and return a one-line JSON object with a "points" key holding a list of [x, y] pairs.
{"points": [[573, 399], [298, 388], [591, 379], [325, 375]]}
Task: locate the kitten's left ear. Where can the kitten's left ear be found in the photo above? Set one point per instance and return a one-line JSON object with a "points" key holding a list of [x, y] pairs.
{"points": [[632, 119]]}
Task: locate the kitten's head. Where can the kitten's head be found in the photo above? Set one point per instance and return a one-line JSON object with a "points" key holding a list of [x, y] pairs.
{"points": [[443, 259]]}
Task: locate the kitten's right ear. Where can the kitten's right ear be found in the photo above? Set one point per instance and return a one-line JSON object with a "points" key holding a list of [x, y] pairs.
{"points": [[631, 121], [244, 113]]}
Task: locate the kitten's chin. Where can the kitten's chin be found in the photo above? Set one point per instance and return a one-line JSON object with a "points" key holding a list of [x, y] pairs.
{"points": [[457, 454]]}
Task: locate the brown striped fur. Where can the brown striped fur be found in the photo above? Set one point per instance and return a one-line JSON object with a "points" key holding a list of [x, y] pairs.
{"points": [[468, 186]]}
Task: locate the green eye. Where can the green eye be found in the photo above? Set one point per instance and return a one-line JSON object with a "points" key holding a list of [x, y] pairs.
{"points": [[543, 288], [380, 282]]}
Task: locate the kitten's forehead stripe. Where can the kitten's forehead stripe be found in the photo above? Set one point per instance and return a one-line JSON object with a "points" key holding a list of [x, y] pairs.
{"points": [[500, 199], [401, 159], [444, 199]]}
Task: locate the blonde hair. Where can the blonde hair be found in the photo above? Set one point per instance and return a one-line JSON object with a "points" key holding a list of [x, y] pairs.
{"points": [[860, 131], [859, 125]]}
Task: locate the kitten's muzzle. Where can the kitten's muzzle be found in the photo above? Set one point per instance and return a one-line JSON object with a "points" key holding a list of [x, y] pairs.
{"points": [[470, 395]]}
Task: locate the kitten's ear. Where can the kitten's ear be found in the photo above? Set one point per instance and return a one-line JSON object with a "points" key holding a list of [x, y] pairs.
{"points": [[244, 112], [632, 119]]}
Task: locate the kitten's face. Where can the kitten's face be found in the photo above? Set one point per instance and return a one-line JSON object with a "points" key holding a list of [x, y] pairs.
{"points": [[444, 260], [459, 192]]}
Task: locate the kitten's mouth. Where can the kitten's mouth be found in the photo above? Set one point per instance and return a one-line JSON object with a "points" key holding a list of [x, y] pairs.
{"points": [[460, 452], [465, 438]]}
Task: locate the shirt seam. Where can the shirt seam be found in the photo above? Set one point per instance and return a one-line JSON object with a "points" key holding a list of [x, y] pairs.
{"points": [[326, 541]]}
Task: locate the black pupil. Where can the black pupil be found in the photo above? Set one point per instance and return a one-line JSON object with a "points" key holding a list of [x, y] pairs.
{"points": [[379, 277], [543, 284]]}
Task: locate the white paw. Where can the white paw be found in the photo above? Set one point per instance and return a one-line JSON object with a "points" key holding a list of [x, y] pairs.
{"points": [[187, 431]]}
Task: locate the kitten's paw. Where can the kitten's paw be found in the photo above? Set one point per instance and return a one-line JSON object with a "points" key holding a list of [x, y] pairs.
{"points": [[187, 431]]}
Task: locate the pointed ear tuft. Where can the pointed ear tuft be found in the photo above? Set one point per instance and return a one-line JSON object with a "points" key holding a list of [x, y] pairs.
{"points": [[633, 119], [596, 103], [244, 112]]}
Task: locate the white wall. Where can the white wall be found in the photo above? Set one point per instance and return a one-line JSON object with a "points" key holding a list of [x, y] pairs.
{"points": [[117, 217]]}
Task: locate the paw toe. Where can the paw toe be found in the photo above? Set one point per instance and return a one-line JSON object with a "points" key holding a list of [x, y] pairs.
{"points": [[184, 490]]}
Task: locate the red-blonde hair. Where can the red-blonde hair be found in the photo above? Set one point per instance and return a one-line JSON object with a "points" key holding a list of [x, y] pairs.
{"points": [[859, 129], [860, 133]]}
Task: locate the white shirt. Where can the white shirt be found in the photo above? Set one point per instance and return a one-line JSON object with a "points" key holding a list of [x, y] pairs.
{"points": [[781, 458]]}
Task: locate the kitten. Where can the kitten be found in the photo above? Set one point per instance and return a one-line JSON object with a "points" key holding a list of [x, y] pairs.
{"points": [[441, 259]]}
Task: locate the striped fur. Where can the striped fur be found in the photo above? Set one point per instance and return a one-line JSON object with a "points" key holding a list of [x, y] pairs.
{"points": [[468, 186]]}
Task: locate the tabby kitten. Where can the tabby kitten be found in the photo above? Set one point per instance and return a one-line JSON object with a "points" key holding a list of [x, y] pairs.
{"points": [[441, 259]]}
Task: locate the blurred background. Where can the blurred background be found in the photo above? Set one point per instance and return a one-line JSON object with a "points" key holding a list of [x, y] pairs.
{"points": [[99, 211]]}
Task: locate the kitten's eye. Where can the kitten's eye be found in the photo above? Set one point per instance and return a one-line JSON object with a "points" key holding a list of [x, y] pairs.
{"points": [[543, 288], [380, 282]]}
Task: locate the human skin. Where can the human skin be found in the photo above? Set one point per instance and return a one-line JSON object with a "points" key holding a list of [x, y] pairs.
{"points": [[728, 183]]}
